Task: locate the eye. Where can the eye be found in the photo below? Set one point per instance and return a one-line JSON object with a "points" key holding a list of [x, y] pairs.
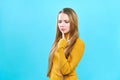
{"points": [[59, 21], [66, 21]]}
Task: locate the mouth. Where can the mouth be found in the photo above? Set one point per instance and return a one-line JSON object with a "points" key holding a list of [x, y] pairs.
{"points": [[62, 29]]}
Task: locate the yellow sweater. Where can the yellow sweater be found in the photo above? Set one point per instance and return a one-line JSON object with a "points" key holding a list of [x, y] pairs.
{"points": [[66, 67]]}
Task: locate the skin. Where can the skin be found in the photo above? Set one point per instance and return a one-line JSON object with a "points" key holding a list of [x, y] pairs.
{"points": [[64, 25]]}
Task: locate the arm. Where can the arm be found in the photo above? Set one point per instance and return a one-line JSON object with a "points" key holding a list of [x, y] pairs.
{"points": [[68, 66]]}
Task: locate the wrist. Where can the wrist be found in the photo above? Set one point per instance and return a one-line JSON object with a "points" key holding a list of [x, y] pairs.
{"points": [[62, 43]]}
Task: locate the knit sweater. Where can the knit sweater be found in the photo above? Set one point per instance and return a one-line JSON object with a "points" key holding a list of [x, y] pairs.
{"points": [[64, 68]]}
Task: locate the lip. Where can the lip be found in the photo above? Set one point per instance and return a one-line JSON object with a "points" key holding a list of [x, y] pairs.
{"points": [[62, 29]]}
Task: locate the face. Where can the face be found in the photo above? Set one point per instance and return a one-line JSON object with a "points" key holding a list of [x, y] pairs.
{"points": [[63, 23]]}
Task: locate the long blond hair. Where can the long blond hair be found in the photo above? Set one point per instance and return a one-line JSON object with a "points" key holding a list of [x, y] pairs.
{"points": [[73, 35]]}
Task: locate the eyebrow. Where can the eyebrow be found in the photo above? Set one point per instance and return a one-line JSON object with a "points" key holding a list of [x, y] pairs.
{"points": [[63, 20]]}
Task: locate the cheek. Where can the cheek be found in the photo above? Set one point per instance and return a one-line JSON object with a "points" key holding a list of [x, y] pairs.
{"points": [[59, 25], [59, 28], [68, 27]]}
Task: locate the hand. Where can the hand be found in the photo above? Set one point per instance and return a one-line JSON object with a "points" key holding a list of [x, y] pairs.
{"points": [[62, 42]]}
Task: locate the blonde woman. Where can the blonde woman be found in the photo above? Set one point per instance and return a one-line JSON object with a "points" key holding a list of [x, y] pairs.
{"points": [[67, 49]]}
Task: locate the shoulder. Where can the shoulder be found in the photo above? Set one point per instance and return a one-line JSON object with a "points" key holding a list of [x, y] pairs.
{"points": [[79, 42], [78, 48]]}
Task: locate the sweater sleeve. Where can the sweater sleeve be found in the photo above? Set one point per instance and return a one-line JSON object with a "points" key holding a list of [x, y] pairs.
{"points": [[66, 66]]}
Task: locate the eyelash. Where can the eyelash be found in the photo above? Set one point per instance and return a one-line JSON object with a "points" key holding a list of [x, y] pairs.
{"points": [[64, 21], [59, 21]]}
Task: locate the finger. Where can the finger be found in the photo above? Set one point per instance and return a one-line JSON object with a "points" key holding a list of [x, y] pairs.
{"points": [[63, 36]]}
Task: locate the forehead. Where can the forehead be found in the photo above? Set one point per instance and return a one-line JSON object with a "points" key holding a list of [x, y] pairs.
{"points": [[63, 16]]}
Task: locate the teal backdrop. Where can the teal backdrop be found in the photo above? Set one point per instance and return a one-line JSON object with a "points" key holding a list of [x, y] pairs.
{"points": [[27, 31]]}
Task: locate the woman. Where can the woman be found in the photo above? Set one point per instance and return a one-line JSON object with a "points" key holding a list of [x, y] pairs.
{"points": [[67, 49]]}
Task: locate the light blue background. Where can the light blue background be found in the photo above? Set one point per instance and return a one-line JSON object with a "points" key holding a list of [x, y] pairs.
{"points": [[27, 30]]}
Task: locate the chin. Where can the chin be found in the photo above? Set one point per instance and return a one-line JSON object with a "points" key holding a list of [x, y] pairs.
{"points": [[66, 32]]}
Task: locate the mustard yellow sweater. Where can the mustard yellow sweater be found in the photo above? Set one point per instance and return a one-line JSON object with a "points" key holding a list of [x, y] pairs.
{"points": [[66, 67]]}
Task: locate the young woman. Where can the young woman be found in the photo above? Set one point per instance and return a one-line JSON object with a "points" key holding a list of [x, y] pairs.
{"points": [[67, 49]]}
